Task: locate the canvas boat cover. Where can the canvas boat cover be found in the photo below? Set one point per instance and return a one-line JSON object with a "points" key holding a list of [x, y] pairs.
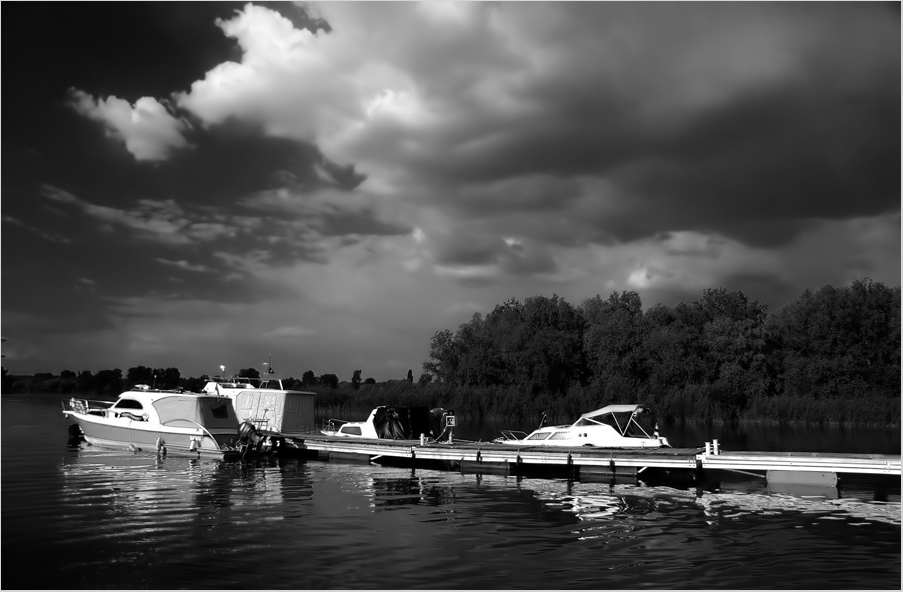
{"points": [[401, 423], [210, 412]]}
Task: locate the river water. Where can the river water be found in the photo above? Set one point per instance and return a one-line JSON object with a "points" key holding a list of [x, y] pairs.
{"points": [[84, 517]]}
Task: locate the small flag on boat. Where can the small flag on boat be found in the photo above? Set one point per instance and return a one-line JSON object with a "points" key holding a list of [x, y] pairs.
{"points": [[270, 371], [222, 368]]}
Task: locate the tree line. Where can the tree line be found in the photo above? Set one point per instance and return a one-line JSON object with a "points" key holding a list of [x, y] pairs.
{"points": [[829, 356], [113, 382]]}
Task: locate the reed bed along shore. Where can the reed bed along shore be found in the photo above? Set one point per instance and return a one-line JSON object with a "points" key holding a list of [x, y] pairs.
{"points": [[505, 406]]}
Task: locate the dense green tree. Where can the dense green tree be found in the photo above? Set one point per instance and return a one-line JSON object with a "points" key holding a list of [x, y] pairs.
{"points": [[309, 379], [85, 382], [108, 382], [614, 337], [840, 341], [139, 375], [443, 358], [249, 373], [535, 345], [356, 380], [168, 378]]}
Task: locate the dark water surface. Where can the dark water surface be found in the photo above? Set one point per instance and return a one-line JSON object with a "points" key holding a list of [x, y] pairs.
{"points": [[100, 519]]}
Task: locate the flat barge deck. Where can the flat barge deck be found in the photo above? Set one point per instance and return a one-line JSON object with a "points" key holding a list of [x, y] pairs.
{"points": [[796, 467]]}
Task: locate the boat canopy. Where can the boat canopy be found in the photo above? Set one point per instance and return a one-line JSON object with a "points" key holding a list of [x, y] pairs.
{"points": [[632, 421], [614, 409], [210, 412]]}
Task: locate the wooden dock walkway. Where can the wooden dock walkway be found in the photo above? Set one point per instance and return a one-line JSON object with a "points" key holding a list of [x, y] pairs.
{"points": [[798, 467]]}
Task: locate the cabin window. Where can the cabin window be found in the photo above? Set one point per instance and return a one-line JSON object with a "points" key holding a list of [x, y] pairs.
{"points": [[220, 411], [539, 436], [561, 436], [128, 404], [353, 430]]}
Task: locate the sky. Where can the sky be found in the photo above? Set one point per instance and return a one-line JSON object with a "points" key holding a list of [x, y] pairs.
{"points": [[192, 185]]}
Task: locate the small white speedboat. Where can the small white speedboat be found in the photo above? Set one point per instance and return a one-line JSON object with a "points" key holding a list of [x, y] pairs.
{"points": [[614, 426], [395, 423], [188, 424]]}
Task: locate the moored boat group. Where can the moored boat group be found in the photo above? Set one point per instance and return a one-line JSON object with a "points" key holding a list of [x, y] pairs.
{"points": [[235, 416]]}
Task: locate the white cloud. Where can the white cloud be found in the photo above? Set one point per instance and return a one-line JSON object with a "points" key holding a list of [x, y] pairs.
{"points": [[182, 264], [54, 238], [148, 130], [163, 221]]}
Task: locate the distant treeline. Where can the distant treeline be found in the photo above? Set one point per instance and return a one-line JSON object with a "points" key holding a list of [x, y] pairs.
{"points": [[829, 356], [112, 382]]}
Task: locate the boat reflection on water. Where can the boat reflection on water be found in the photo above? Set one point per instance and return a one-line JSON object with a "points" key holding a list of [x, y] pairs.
{"points": [[149, 493], [598, 504], [388, 493], [823, 505]]}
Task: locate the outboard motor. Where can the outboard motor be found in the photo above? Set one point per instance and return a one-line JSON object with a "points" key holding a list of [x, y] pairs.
{"points": [[248, 438], [76, 436]]}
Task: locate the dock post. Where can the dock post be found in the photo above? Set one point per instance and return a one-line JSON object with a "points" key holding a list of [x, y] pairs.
{"points": [[573, 469]]}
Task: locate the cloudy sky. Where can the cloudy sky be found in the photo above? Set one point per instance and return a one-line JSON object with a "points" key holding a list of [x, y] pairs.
{"points": [[196, 184]]}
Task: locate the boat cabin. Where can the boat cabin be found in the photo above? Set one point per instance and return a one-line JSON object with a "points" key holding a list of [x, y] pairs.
{"points": [[267, 404], [392, 423], [614, 426]]}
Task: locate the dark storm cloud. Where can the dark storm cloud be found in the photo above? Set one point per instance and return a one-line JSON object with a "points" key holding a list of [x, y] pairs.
{"points": [[506, 257], [461, 249], [752, 147], [364, 222], [755, 169], [759, 169]]}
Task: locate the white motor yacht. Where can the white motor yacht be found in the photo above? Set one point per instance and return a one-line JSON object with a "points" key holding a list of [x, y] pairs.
{"points": [[148, 419], [614, 426]]}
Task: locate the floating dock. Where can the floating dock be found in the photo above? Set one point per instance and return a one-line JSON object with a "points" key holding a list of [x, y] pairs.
{"points": [[582, 462]]}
